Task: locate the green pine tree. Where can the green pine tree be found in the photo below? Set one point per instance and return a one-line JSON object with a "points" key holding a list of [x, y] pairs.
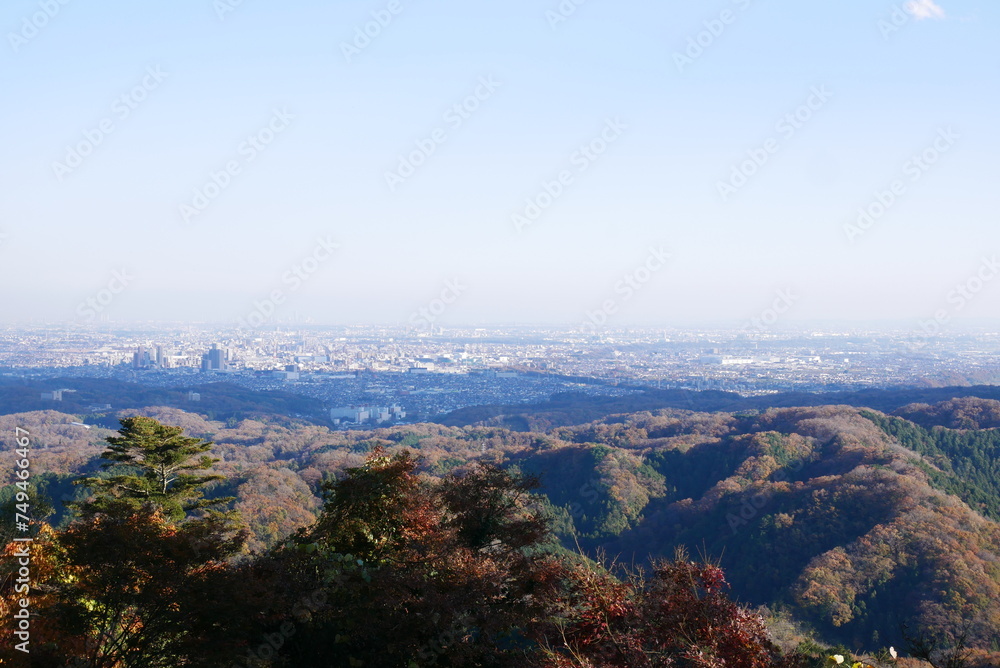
{"points": [[152, 464]]}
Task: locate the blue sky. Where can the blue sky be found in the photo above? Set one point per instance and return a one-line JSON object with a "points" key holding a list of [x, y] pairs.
{"points": [[889, 92]]}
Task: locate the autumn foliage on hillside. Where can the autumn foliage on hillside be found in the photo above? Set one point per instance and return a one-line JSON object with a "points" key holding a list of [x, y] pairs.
{"points": [[427, 543], [398, 570], [677, 615]]}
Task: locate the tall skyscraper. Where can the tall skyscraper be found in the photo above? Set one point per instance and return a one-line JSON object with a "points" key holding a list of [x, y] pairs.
{"points": [[216, 359], [141, 358], [163, 356]]}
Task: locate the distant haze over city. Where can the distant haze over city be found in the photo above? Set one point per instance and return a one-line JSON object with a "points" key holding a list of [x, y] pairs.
{"points": [[519, 333], [617, 164]]}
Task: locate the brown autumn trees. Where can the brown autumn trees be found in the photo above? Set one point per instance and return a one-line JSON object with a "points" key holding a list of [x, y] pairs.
{"points": [[398, 570], [417, 573], [676, 615], [142, 577]]}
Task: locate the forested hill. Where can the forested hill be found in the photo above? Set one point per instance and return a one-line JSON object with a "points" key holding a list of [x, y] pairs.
{"points": [[225, 401], [217, 399], [856, 521], [576, 408]]}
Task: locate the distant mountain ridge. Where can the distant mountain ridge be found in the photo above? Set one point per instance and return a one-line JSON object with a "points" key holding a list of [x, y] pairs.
{"points": [[855, 519], [575, 408], [818, 508]]}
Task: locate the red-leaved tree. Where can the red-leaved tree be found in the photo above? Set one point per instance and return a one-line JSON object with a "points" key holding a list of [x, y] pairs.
{"points": [[679, 615]]}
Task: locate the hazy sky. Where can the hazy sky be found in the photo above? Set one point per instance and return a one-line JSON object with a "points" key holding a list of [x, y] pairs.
{"points": [[116, 115]]}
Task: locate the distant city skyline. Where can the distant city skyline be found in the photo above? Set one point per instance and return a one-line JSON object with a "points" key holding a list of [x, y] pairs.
{"points": [[351, 366], [591, 165]]}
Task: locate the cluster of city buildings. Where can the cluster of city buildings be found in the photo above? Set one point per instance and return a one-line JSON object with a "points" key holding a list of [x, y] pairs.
{"points": [[379, 374], [362, 414]]}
